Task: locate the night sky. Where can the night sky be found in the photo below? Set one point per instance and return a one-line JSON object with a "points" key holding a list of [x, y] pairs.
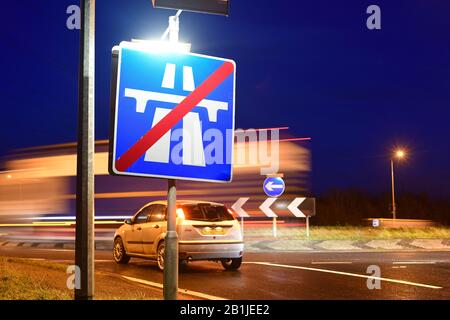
{"points": [[309, 65]]}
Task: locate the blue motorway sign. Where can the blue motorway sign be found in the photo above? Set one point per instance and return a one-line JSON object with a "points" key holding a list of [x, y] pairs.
{"points": [[274, 186], [173, 115]]}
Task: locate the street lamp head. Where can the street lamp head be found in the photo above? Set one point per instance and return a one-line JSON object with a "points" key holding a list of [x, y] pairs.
{"points": [[400, 154]]}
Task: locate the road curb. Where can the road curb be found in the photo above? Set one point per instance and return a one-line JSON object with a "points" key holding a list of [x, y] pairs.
{"points": [[348, 245], [280, 245]]}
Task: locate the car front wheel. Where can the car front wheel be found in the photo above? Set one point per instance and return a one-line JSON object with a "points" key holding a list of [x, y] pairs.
{"points": [[119, 253], [231, 264], [160, 255]]}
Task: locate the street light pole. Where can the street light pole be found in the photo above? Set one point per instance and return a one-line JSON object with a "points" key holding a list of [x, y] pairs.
{"points": [[399, 154], [84, 241], [394, 209]]}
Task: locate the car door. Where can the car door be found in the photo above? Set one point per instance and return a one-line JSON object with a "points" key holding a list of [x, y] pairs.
{"points": [[134, 235], [152, 230]]}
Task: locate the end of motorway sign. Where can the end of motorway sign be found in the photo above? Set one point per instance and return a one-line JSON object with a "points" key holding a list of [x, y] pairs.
{"points": [[172, 115]]}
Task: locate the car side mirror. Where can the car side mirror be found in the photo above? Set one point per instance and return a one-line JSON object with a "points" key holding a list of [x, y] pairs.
{"points": [[129, 221]]}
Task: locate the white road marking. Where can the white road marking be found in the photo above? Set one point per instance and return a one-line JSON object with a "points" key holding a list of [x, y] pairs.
{"points": [[414, 262], [331, 262], [62, 250], [346, 274], [184, 291]]}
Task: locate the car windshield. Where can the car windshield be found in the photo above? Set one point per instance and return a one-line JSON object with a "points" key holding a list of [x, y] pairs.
{"points": [[206, 212]]}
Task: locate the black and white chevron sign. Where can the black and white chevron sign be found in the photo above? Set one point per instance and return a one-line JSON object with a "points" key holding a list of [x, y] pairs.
{"points": [[300, 207]]}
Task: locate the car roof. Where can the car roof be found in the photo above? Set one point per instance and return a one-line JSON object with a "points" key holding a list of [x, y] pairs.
{"points": [[183, 202]]}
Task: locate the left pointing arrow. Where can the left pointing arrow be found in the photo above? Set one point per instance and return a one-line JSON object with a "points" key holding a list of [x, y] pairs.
{"points": [[237, 207], [293, 207], [270, 186], [265, 207]]}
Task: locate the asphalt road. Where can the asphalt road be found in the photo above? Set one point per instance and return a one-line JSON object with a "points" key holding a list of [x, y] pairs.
{"points": [[325, 275]]}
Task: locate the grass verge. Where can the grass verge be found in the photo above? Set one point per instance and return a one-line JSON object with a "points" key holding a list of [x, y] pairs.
{"points": [[29, 279]]}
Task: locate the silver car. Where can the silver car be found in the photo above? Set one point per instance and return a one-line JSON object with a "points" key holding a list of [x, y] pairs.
{"points": [[206, 231]]}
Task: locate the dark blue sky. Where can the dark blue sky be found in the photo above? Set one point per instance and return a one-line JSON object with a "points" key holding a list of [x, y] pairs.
{"points": [[309, 65]]}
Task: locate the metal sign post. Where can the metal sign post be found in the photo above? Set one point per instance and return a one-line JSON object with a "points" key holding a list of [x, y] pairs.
{"points": [[307, 227], [84, 241], [274, 226], [170, 279], [171, 250]]}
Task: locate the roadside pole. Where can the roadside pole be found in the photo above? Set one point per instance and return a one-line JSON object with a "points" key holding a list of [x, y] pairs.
{"points": [[274, 226], [84, 242], [394, 208], [170, 281], [171, 250], [307, 227]]}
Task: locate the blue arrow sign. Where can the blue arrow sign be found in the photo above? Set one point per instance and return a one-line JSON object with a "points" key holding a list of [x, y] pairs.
{"points": [[274, 186]]}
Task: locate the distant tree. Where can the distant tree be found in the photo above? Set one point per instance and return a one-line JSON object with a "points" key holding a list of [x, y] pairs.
{"points": [[352, 207]]}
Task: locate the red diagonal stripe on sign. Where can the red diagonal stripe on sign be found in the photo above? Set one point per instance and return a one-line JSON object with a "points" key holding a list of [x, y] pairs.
{"points": [[171, 119]]}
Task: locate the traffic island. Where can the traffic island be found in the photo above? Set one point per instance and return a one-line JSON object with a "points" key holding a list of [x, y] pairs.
{"points": [[347, 238]]}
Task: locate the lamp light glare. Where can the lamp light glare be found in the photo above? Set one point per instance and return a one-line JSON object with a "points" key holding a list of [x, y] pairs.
{"points": [[400, 154]]}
